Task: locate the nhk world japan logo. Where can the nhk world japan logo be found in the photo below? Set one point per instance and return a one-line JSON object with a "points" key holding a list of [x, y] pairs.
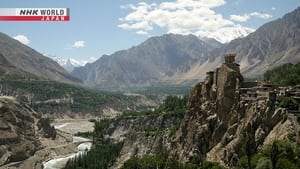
{"points": [[34, 14]]}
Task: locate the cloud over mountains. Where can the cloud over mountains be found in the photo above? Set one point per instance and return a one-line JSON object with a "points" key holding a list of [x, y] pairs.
{"points": [[184, 17]]}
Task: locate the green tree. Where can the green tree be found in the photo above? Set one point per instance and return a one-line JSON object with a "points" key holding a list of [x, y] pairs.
{"points": [[249, 144], [287, 74], [274, 154], [289, 103]]}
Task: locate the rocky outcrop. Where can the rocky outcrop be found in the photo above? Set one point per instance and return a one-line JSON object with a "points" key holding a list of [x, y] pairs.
{"points": [[18, 139], [45, 126], [24, 137], [144, 135], [216, 119]]}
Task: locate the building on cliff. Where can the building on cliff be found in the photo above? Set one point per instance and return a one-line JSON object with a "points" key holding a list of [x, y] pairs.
{"points": [[226, 85], [221, 85], [221, 109]]}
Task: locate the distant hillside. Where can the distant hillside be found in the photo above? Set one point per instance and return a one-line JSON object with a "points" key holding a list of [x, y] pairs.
{"points": [[273, 44], [287, 74], [19, 59], [153, 60], [61, 99]]}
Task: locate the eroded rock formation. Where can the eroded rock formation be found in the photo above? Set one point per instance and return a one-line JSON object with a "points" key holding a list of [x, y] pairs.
{"points": [[216, 118], [17, 132], [143, 136]]}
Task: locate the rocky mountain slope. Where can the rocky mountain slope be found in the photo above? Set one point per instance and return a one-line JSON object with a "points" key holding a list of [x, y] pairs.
{"points": [[17, 132], [21, 59], [271, 45], [26, 139], [152, 60], [144, 135]]}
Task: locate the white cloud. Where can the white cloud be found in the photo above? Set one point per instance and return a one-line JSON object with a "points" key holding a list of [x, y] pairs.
{"points": [[92, 59], [240, 18], [78, 44], [273, 8], [180, 17], [261, 15], [139, 25], [141, 32], [23, 39], [246, 17]]}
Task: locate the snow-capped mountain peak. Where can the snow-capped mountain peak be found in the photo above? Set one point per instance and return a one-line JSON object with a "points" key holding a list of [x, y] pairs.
{"points": [[227, 34], [69, 64]]}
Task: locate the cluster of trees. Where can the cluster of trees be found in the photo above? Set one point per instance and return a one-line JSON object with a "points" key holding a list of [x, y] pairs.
{"points": [[283, 154], [103, 153], [49, 131], [280, 155], [163, 88], [172, 105], [290, 104], [161, 161], [175, 103], [287, 74], [99, 157]]}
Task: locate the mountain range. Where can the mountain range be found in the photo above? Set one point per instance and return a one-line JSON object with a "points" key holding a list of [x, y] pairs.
{"points": [[168, 58], [178, 59], [153, 60], [69, 64], [17, 58], [271, 45]]}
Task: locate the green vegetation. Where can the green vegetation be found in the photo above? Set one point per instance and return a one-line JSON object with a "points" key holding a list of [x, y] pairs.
{"points": [[173, 108], [44, 95], [287, 74], [97, 158], [103, 153], [98, 134], [280, 155], [289, 103], [174, 128], [87, 134], [173, 105], [162, 88], [49, 131], [161, 161]]}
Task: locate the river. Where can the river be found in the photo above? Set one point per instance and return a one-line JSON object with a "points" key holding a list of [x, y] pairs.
{"points": [[71, 127]]}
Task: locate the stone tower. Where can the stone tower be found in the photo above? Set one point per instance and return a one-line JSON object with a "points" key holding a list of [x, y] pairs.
{"points": [[229, 80], [230, 58]]}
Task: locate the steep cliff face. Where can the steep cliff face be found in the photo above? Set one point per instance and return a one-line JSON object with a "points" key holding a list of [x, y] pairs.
{"points": [[17, 132], [142, 136], [217, 117]]}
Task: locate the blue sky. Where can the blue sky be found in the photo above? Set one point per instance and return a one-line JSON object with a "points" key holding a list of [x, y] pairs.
{"points": [[100, 27]]}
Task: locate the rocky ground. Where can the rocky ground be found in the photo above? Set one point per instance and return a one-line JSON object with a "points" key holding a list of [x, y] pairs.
{"points": [[24, 146], [73, 126]]}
